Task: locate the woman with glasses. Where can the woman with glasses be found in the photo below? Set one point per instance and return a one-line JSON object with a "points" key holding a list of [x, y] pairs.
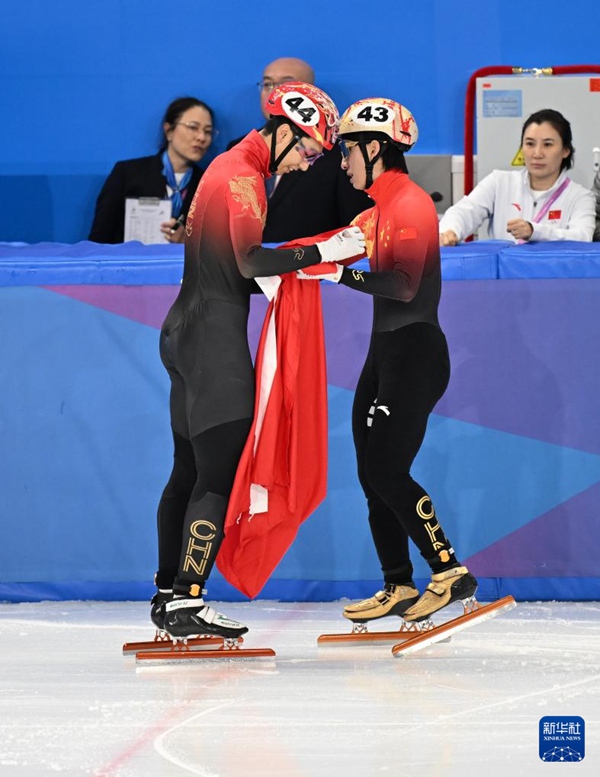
{"points": [[407, 366], [187, 131]]}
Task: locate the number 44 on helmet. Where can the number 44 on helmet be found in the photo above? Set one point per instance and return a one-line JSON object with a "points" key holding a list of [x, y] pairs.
{"points": [[309, 108]]}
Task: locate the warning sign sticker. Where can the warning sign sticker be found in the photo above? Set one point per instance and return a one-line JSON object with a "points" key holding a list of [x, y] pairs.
{"points": [[518, 159]]}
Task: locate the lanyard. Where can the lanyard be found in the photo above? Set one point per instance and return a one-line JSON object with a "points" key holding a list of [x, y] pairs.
{"points": [[552, 200], [549, 203], [178, 190]]}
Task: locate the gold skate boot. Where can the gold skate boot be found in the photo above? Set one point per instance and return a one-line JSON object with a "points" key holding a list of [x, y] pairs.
{"points": [[393, 600], [445, 588]]}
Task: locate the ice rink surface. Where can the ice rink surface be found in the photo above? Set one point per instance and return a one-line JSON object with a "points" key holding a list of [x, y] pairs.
{"points": [[73, 705]]}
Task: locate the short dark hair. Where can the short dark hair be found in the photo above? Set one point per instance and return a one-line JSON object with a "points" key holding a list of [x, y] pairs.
{"points": [[175, 111], [561, 125], [393, 157]]}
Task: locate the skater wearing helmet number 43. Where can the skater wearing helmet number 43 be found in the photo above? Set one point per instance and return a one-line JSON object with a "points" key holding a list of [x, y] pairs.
{"points": [[205, 350], [407, 367]]}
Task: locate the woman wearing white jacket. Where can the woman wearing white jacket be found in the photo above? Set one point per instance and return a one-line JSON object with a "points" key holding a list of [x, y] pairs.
{"points": [[538, 203]]}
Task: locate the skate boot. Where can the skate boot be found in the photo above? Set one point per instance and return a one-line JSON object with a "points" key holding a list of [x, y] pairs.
{"points": [[393, 600], [157, 609], [445, 588], [193, 618]]}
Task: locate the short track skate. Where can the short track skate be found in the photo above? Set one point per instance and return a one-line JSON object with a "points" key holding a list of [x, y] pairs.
{"points": [[361, 635], [182, 650], [162, 642], [473, 614]]}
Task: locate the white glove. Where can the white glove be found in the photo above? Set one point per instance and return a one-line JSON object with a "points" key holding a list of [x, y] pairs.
{"points": [[343, 245], [333, 275]]}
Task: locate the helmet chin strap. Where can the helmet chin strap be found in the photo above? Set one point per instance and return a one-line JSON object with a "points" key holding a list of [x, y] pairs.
{"points": [[369, 163], [275, 162]]}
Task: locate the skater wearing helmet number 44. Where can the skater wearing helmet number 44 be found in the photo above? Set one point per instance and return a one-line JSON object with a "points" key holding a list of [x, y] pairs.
{"points": [[205, 350], [407, 367]]}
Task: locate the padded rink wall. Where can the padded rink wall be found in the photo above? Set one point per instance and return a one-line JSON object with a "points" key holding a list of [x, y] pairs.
{"points": [[511, 459]]}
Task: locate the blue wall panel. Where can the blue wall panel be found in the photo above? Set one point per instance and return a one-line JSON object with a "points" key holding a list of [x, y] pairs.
{"points": [[85, 84]]}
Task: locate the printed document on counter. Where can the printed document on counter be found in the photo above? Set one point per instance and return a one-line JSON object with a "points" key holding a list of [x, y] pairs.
{"points": [[143, 218]]}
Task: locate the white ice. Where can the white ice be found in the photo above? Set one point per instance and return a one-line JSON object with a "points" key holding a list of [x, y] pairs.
{"points": [[73, 705]]}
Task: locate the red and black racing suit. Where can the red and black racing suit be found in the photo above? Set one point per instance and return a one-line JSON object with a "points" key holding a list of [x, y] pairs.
{"points": [[406, 371], [204, 347]]}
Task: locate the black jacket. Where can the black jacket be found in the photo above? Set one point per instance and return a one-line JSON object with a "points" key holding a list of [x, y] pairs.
{"points": [[311, 202], [132, 178]]}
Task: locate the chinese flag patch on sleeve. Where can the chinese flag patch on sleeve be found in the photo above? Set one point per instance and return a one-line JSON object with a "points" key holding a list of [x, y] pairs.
{"points": [[554, 215], [407, 233]]}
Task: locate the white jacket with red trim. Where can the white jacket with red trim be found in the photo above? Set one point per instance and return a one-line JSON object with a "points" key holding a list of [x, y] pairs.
{"points": [[505, 195]]}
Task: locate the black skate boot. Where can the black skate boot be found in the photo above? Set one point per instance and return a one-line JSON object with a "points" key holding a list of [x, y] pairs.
{"points": [[157, 608], [193, 618], [393, 600], [446, 587]]}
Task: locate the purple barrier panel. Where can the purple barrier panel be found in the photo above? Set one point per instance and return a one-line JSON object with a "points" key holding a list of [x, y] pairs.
{"points": [[524, 358], [563, 542]]}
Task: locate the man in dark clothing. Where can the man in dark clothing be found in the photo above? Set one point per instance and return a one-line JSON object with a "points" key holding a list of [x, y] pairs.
{"points": [[305, 204]]}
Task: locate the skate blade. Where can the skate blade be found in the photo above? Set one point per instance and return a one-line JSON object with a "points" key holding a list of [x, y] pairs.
{"points": [[177, 656], [370, 637], [445, 630], [160, 645]]}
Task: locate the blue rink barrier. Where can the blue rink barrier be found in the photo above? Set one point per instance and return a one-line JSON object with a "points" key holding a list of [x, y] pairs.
{"points": [[126, 264], [511, 458], [550, 260]]}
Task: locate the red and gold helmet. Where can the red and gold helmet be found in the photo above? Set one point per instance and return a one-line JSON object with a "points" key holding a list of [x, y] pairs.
{"points": [[379, 115], [309, 108]]}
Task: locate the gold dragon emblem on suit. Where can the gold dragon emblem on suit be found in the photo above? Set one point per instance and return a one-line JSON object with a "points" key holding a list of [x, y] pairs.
{"points": [[244, 191]]}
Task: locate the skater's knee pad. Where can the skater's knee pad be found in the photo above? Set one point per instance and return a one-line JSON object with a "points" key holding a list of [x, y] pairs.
{"points": [[207, 503]]}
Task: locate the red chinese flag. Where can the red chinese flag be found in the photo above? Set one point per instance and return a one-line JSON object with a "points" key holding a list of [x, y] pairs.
{"points": [[285, 458]]}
